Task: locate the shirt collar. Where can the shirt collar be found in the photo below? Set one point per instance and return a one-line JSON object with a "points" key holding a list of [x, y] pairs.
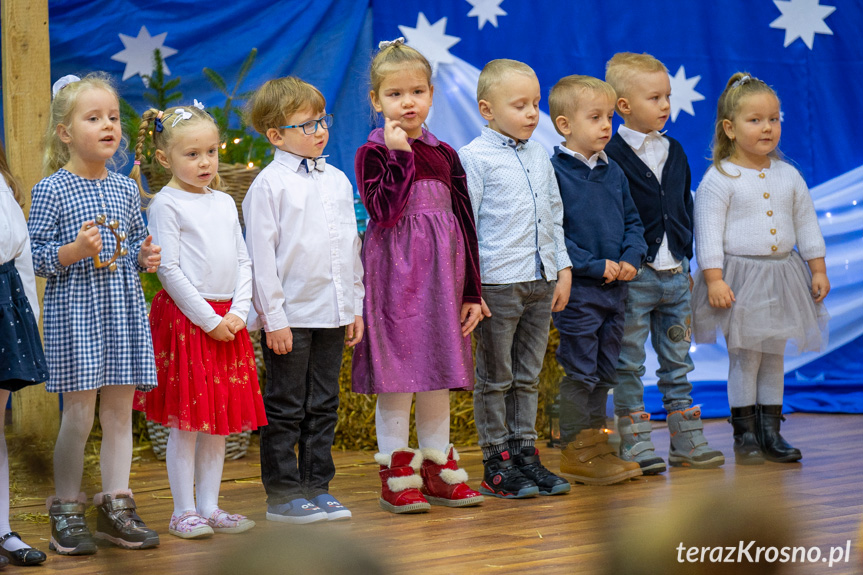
{"points": [[377, 137], [594, 159], [636, 139], [292, 161], [499, 140]]}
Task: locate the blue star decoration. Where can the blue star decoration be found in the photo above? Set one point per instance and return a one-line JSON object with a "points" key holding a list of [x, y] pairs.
{"points": [[802, 19], [138, 54]]}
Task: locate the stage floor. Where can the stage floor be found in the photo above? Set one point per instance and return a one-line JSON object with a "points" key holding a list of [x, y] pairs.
{"points": [[817, 503]]}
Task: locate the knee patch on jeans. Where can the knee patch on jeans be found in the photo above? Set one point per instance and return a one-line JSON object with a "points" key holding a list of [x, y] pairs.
{"points": [[678, 333]]}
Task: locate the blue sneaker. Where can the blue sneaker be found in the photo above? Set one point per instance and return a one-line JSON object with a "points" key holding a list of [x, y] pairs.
{"points": [[298, 511], [333, 508]]}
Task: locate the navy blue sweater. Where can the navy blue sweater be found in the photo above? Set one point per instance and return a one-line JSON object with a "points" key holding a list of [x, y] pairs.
{"points": [[665, 208], [600, 220]]}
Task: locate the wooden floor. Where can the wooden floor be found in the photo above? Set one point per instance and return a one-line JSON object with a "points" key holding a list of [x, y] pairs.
{"points": [[816, 503]]}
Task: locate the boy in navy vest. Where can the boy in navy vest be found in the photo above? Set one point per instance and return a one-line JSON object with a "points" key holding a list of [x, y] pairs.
{"points": [[604, 240], [659, 297]]}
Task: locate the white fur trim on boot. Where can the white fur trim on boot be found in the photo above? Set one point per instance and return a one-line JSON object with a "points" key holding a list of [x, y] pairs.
{"points": [[99, 498], [397, 484], [386, 458], [437, 456], [82, 499], [453, 476]]}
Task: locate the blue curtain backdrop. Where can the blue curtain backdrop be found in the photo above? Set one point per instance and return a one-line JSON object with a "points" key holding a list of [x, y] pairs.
{"points": [[809, 50]]}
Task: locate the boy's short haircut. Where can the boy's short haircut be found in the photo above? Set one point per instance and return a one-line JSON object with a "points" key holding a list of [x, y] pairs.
{"points": [[623, 66], [495, 71], [564, 97], [278, 99]]}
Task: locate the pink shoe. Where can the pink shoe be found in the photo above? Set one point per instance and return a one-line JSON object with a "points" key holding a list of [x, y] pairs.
{"points": [[189, 525], [223, 522]]}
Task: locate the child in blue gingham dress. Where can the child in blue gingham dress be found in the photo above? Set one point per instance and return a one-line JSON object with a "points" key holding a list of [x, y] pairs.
{"points": [[97, 337]]}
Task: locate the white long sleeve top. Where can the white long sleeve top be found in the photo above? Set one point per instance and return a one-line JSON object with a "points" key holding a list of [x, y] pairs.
{"points": [[15, 243], [758, 213], [301, 232], [204, 256]]}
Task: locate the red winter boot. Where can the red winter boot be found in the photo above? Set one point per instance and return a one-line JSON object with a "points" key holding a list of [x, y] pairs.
{"points": [[400, 484], [443, 482]]}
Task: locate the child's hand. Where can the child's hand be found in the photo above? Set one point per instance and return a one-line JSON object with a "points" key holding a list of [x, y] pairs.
{"points": [[486, 311], [222, 332], [88, 242], [471, 315], [820, 286], [691, 283], [627, 272], [394, 137], [234, 322], [611, 271], [719, 294], [150, 256], [280, 341], [355, 331], [562, 290]]}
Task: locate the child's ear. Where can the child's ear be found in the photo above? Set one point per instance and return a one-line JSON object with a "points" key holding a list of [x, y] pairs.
{"points": [[162, 159], [485, 110], [623, 107], [275, 137], [562, 123], [728, 126], [63, 134], [376, 103]]}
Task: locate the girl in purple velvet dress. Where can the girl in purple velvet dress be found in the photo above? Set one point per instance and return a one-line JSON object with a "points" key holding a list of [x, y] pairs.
{"points": [[422, 287]]}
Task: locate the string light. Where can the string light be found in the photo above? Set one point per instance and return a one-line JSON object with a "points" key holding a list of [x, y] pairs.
{"points": [[251, 165], [224, 145], [237, 140]]}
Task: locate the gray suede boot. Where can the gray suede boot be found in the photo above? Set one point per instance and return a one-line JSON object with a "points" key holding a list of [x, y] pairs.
{"points": [[635, 444], [688, 445]]}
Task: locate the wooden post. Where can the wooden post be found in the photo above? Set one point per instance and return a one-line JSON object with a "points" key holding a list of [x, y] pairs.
{"points": [[26, 103]]}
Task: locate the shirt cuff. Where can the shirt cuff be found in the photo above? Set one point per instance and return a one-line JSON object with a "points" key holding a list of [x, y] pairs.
{"points": [[275, 321]]}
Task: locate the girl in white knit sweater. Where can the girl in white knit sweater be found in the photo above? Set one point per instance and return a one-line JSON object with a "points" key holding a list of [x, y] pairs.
{"points": [[751, 209]]}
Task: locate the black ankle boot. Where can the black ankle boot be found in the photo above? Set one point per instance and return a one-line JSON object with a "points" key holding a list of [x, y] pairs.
{"points": [[746, 449], [773, 445]]}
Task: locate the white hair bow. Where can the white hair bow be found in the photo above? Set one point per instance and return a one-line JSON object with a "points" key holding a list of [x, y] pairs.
{"points": [[62, 83], [740, 82], [198, 105], [387, 43], [182, 114]]}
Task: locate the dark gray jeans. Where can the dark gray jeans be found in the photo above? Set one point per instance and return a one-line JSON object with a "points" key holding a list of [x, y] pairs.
{"points": [[510, 348], [301, 399]]}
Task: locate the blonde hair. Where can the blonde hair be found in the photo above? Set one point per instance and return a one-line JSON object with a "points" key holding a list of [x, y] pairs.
{"points": [[397, 57], [172, 124], [56, 152], [624, 66], [564, 97], [10, 178], [274, 102], [495, 72], [739, 87]]}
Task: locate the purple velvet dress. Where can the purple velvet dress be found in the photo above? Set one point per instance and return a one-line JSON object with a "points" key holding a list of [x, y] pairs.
{"points": [[421, 264]]}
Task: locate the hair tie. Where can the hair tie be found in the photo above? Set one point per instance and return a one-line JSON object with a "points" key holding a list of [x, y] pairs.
{"points": [[137, 162], [740, 82], [62, 83], [387, 43]]}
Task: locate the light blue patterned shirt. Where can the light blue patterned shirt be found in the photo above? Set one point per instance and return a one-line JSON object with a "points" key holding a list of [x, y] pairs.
{"points": [[517, 208]]}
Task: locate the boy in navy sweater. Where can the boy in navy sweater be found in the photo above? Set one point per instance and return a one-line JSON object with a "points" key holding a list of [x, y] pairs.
{"points": [[659, 297], [604, 240]]}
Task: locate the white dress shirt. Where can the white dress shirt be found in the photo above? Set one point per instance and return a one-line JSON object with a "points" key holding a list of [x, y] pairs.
{"points": [[652, 149], [301, 231], [15, 243], [591, 161], [203, 253]]}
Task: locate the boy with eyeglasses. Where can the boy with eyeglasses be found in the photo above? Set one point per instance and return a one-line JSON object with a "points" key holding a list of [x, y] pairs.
{"points": [[301, 233]]}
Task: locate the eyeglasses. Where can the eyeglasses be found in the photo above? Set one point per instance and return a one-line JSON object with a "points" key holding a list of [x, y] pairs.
{"points": [[311, 126]]}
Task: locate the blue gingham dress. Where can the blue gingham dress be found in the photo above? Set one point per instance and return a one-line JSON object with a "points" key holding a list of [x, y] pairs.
{"points": [[95, 320]]}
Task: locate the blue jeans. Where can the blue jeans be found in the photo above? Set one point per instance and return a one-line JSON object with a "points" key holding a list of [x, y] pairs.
{"points": [[591, 328], [659, 302], [509, 352], [301, 399]]}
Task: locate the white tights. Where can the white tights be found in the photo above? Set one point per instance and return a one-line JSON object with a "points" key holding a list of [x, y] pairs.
{"points": [[12, 543], [755, 377], [195, 462], [392, 420], [115, 458]]}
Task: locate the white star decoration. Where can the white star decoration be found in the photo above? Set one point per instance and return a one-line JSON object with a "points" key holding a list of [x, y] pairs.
{"points": [[431, 41], [802, 19], [138, 54], [486, 11], [683, 93]]}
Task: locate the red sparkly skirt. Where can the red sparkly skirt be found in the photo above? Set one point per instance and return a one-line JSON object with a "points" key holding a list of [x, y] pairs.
{"points": [[204, 384]]}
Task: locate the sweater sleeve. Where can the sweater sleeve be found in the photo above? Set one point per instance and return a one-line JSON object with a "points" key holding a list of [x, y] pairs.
{"points": [[556, 205], [634, 247], [810, 241], [711, 211], [473, 180], [384, 178], [465, 215], [242, 300]]}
